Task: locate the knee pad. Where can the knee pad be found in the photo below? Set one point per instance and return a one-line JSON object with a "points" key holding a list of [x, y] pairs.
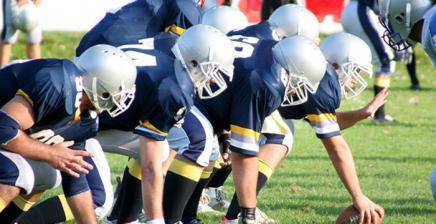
{"points": [[26, 174]]}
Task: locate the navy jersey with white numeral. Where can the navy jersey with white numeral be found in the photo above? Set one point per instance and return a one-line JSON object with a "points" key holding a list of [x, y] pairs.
{"points": [[53, 88], [141, 19], [164, 93], [255, 91], [320, 108]]}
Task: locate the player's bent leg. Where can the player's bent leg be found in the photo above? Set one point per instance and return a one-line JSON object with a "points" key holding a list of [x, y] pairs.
{"points": [[99, 179], [191, 208], [33, 48], [52, 210], [180, 183], [82, 207]]}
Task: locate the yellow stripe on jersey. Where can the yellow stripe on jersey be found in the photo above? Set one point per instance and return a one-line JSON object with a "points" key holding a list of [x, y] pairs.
{"points": [[67, 210], [22, 203], [265, 168], [383, 81], [321, 117], [175, 29], [134, 168], [20, 92], [186, 169], [205, 174], [148, 125], [244, 132]]}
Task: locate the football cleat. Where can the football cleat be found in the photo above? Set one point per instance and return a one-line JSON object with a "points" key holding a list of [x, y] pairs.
{"points": [[387, 119], [203, 205], [218, 198], [224, 220], [261, 217]]}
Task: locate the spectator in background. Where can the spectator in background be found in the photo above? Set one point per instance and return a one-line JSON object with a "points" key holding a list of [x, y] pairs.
{"points": [[20, 15], [268, 6]]}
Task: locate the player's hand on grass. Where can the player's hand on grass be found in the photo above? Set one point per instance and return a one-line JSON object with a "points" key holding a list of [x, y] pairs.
{"points": [[376, 102], [370, 212], [68, 160]]}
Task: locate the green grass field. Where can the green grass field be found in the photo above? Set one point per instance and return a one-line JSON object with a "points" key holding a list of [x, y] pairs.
{"points": [[393, 162]]}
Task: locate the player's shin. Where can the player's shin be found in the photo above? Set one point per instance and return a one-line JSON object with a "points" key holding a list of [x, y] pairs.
{"points": [[190, 211], [265, 171], [52, 210], [180, 183], [245, 177], [18, 206]]}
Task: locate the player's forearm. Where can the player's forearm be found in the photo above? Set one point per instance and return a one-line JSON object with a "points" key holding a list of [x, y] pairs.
{"points": [[29, 148], [342, 159], [349, 118], [152, 177]]}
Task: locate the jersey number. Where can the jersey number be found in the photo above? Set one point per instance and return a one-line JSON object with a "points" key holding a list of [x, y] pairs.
{"points": [[140, 58], [48, 137], [243, 45]]}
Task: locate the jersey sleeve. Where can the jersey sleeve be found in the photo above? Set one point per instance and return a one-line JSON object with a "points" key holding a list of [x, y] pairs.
{"points": [[322, 117], [163, 115], [252, 102]]}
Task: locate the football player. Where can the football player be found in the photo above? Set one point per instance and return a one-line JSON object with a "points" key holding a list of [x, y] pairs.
{"points": [[343, 77], [20, 15], [287, 20], [142, 19], [165, 91], [408, 22], [47, 105], [265, 76], [360, 18]]}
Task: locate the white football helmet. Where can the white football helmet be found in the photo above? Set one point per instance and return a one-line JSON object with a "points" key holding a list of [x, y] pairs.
{"points": [[207, 55], [304, 66], [225, 18], [398, 18], [350, 56], [109, 78], [26, 18], [290, 19]]}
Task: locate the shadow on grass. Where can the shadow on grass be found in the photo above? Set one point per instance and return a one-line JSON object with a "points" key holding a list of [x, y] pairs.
{"points": [[371, 158]]}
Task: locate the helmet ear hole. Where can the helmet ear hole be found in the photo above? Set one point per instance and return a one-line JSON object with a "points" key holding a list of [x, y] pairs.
{"points": [[105, 95], [194, 63]]}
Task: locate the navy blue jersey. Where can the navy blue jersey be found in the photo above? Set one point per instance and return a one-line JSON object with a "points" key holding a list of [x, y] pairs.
{"points": [[255, 91], [261, 30], [141, 19], [372, 4], [320, 108], [161, 43], [53, 88], [164, 93]]}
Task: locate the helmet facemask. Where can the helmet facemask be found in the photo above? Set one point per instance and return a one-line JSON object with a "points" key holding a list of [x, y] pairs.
{"points": [[392, 38], [207, 77], [296, 90], [114, 103], [350, 79]]}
